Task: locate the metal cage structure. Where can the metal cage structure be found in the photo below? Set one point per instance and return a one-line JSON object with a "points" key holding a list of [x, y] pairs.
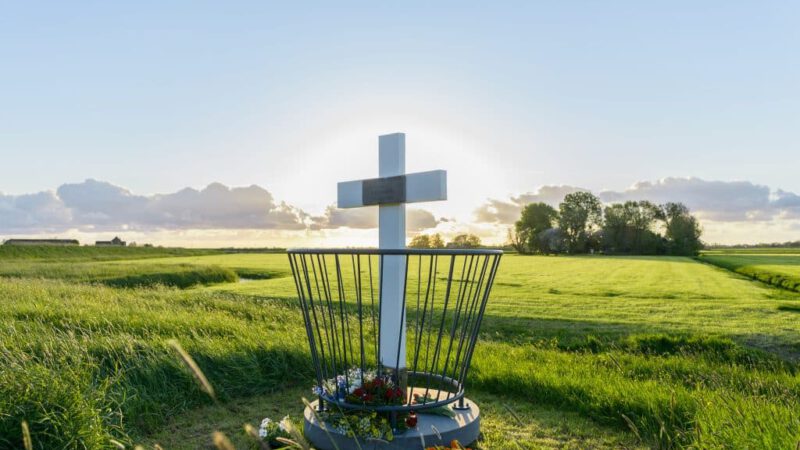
{"points": [[443, 301]]}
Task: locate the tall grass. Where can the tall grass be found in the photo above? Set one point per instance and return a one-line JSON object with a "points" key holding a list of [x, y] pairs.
{"points": [[85, 363]]}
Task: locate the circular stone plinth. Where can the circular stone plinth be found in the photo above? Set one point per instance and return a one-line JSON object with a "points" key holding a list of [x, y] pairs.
{"points": [[431, 430]]}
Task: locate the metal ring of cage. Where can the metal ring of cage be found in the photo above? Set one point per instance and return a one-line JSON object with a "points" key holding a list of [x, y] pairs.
{"points": [[444, 297]]}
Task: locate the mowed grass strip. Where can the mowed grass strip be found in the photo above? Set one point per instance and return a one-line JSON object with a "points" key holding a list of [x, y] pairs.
{"points": [[778, 269], [140, 275], [60, 253]]}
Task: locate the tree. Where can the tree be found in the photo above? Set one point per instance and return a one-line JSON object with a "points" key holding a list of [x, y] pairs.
{"points": [[534, 219], [436, 241], [552, 241], [682, 230], [465, 241], [628, 228], [515, 241], [579, 214], [420, 241], [427, 241]]}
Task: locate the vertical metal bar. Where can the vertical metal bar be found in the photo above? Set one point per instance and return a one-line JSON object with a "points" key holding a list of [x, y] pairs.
{"points": [[420, 322], [462, 290], [372, 310], [429, 334], [476, 327], [469, 319], [357, 281], [380, 310], [344, 320], [401, 335], [325, 327], [306, 319], [444, 315], [326, 284], [313, 310]]}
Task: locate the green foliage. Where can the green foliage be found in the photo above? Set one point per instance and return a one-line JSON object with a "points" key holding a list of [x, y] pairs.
{"points": [[465, 241], [535, 219], [420, 241], [427, 241], [629, 228], [682, 230], [579, 215], [778, 269], [361, 424]]}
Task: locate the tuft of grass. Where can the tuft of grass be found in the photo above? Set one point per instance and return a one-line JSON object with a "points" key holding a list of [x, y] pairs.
{"points": [[789, 307]]}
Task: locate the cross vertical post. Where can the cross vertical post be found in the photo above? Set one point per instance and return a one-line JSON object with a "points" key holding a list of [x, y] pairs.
{"points": [[392, 235], [390, 192]]}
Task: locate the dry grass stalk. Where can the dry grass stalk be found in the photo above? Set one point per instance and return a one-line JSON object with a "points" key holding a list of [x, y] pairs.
{"points": [[26, 436], [222, 442], [192, 365]]}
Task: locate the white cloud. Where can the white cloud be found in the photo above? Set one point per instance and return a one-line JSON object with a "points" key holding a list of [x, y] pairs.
{"points": [[416, 219], [41, 211], [730, 212], [507, 211], [99, 206], [723, 201], [713, 200]]}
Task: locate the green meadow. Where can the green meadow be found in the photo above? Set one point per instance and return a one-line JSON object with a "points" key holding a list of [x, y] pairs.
{"points": [[776, 266], [575, 352]]}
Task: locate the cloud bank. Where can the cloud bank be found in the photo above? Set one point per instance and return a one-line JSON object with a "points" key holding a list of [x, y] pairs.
{"points": [[730, 212], [722, 201], [100, 206]]}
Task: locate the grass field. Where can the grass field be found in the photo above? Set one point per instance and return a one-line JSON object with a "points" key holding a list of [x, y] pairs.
{"points": [[575, 352], [779, 267]]}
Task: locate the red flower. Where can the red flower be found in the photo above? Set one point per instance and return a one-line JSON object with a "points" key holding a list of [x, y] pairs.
{"points": [[377, 382], [359, 392], [411, 420]]}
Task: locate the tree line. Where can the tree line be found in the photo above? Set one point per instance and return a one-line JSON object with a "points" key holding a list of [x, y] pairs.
{"points": [[436, 241], [581, 224]]}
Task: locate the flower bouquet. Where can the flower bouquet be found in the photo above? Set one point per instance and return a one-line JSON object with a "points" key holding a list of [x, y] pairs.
{"points": [[368, 388]]}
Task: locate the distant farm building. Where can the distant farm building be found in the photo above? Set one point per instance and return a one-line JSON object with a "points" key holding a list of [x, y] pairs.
{"points": [[41, 242], [116, 242]]}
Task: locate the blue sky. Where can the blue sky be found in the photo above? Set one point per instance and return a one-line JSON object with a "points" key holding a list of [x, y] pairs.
{"points": [[155, 97]]}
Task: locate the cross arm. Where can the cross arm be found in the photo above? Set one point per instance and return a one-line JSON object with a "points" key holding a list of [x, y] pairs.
{"points": [[410, 188]]}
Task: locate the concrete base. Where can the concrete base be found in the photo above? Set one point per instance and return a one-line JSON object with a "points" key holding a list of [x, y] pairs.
{"points": [[430, 430]]}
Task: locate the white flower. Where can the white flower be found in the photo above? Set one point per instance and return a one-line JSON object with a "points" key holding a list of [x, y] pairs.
{"points": [[262, 432], [284, 424]]}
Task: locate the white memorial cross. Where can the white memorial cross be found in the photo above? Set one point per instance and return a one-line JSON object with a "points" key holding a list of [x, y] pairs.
{"points": [[391, 192]]}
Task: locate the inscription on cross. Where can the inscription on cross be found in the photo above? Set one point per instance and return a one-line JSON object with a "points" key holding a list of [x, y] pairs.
{"points": [[391, 191]]}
